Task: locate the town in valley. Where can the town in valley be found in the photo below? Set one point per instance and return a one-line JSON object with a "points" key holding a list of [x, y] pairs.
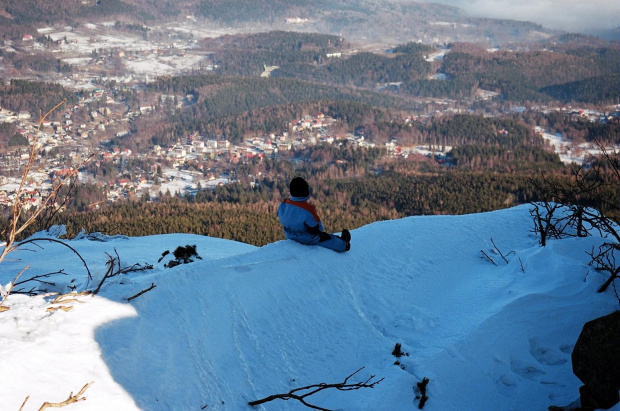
{"points": [[107, 59]]}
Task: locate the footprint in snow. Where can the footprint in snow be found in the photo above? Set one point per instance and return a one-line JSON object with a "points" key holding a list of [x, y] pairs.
{"points": [[545, 355], [526, 370]]}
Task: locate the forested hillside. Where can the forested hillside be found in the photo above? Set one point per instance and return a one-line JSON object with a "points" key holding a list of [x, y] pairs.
{"points": [[572, 75], [233, 106], [567, 72], [34, 97]]}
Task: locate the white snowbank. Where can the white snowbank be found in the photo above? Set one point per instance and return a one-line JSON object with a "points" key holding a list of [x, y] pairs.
{"points": [[247, 322]]}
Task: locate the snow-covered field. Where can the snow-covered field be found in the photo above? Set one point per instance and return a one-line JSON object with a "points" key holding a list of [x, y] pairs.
{"points": [[570, 153], [245, 322], [183, 181], [83, 40]]}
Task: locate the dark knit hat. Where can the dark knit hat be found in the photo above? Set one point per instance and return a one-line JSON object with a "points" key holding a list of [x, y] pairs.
{"points": [[299, 187]]}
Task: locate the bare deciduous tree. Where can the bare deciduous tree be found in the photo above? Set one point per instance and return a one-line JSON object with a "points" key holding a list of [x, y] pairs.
{"points": [[586, 204]]}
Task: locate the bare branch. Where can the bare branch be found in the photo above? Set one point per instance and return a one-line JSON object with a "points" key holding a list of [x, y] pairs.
{"points": [[71, 400], [109, 273], [37, 278], [53, 240], [135, 268], [142, 292], [18, 206], [488, 258], [498, 250], [15, 227], [8, 291], [313, 389], [24, 403], [112, 271], [605, 260]]}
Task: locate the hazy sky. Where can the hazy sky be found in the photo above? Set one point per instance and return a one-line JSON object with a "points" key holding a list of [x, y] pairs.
{"points": [[567, 15]]}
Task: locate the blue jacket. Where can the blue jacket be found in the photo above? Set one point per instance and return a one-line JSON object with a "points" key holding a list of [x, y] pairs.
{"points": [[300, 221]]}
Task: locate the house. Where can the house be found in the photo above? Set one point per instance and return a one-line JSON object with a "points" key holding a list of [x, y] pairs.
{"points": [[179, 152], [28, 37], [198, 146], [30, 203]]}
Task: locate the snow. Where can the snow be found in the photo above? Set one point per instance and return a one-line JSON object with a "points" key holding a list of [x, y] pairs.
{"points": [[153, 65], [246, 322], [184, 181], [78, 61], [571, 153], [437, 55]]}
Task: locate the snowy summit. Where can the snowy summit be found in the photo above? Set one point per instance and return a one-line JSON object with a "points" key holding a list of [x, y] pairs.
{"points": [[243, 323]]}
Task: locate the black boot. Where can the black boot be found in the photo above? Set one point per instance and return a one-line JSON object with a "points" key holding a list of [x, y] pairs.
{"points": [[346, 235]]}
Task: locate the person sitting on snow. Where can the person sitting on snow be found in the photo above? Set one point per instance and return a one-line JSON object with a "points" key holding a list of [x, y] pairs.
{"points": [[302, 224]]}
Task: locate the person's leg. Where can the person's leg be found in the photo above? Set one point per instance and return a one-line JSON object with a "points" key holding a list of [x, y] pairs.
{"points": [[335, 243]]}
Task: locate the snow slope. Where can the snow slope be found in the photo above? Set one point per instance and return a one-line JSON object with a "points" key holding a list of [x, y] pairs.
{"points": [[247, 322]]}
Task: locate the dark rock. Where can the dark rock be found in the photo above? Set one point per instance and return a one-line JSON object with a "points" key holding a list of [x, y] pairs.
{"points": [[596, 362]]}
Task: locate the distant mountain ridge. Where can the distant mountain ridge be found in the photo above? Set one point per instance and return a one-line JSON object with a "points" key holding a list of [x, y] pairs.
{"points": [[392, 22]]}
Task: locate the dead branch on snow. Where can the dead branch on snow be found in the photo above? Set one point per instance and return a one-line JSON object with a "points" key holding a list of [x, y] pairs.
{"points": [[112, 271], [71, 400], [296, 394], [142, 292]]}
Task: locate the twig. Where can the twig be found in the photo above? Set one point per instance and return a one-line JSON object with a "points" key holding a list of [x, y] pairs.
{"points": [[71, 400], [24, 403], [116, 261], [8, 291], [606, 261], [522, 269], [313, 389], [135, 268], [36, 278], [487, 256], [142, 292], [108, 274], [18, 206], [500, 253], [53, 240]]}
